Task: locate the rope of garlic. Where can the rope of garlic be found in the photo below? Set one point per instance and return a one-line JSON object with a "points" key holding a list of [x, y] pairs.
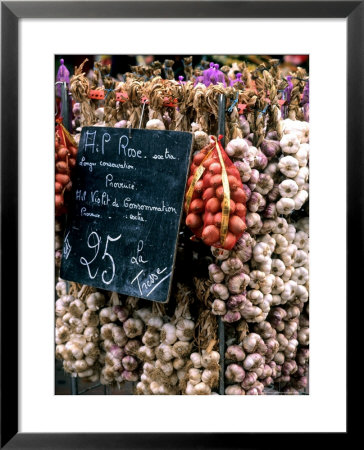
{"points": [[167, 346], [119, 341], [77, 334]]}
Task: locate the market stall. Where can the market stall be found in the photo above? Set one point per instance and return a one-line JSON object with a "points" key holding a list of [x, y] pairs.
{"points": [[182, 228]]}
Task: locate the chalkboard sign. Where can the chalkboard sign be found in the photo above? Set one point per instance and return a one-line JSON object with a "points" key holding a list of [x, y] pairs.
{"points": [[127, 199]]}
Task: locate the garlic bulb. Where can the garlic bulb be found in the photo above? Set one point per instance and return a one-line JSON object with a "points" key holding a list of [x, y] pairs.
{"points": [[288, 188], [61, 288], [285, 206], [146, 353], [300, 275], [196, 360], [261, 252], [185, 329], [155, 322], [107, 315], [220, 291], [301, 177], [194, 376], [91, 334], [302, 155], [244, 170], [190, 389], [234, 373], [288, 165], [278, 267], [299, 199], [200, 139], [164, 352], [231, 266], [210, 360], [290, 143], [95, 301], [235, 353], [215, 273], [178, 363], [202, 389], [237, 148], [133, 327], [155, 124], [218, 307], [233, 389], [76, 308], [264, 184], [220, 253], [181, 349], [106, 331], [254, 222], [238, 283], [168, 334], [151, 338]]}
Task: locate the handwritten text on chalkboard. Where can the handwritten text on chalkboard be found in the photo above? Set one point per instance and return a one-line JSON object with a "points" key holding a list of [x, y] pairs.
{"points": [[128, 190]]}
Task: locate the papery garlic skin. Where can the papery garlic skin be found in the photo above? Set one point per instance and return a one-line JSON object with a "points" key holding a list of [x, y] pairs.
{"points": [[289, 166], [302, 155], [300, 199], [237, 148], [290, 143], [168, 334], [218, 307], [285, 206], [155, 124], [261, 252], [288, 188], [301, 177]]}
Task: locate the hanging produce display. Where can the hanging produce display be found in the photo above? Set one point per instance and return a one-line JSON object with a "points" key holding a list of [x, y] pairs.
{"points": [[215, 199], [237, 317], [65, 156]]}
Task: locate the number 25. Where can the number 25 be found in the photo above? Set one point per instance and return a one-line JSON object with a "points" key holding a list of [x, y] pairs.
{"points": [[96, 246]]}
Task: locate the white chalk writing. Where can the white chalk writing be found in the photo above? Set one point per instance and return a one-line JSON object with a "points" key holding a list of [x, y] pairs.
{"points": [[88, 164], [166, 155], [90, 140], [142, 207], [152, 280], [123, 165], [138, 259], [93, 242], [109, 182], [89, 214], [66, 246], [105, 138]]}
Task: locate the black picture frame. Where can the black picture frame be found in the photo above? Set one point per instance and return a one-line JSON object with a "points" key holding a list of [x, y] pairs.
{"points": [[11, 12]]}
